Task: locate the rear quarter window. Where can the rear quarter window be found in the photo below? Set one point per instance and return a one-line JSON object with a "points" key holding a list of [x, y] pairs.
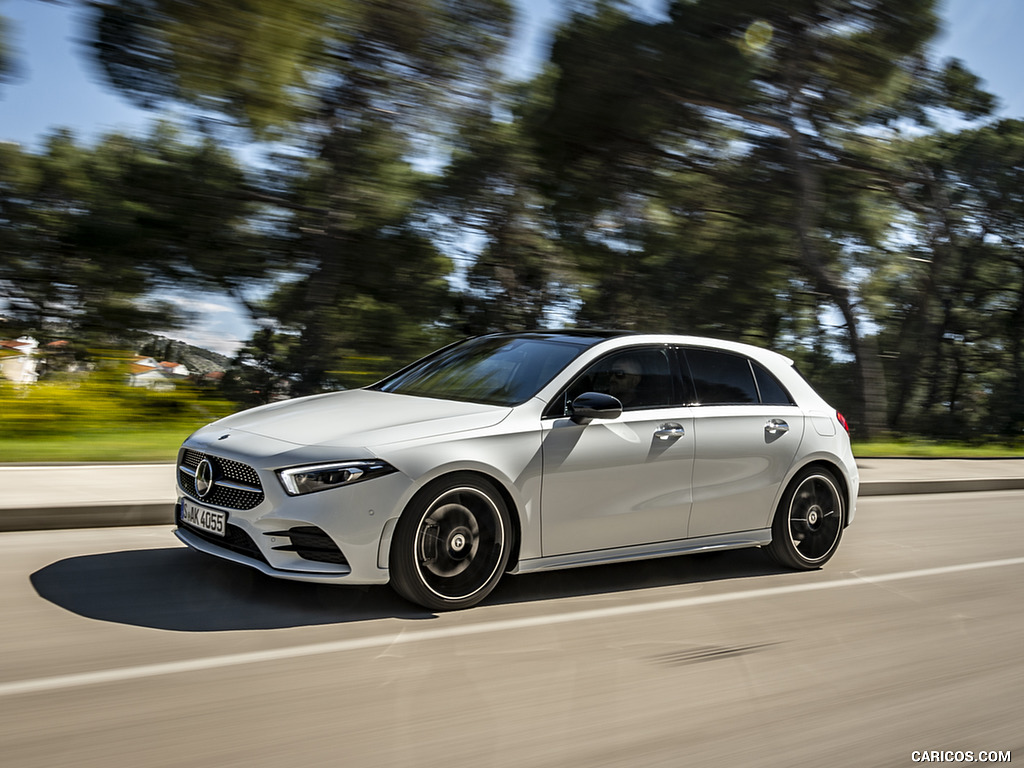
{"points": [[771, 391]]}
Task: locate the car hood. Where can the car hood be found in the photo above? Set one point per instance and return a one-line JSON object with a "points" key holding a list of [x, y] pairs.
{"points": [[360, 418]]}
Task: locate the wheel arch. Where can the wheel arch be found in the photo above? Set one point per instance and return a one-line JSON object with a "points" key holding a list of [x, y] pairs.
{"points": [[514, 513], [836, 470]]}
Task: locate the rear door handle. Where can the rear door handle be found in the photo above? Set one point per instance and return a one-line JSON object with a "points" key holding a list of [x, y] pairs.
{"points": [[776, 427], [670, 431]]}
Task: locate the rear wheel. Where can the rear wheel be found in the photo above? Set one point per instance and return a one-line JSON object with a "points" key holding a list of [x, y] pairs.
{"points": [[452, 543], [809, 521]]}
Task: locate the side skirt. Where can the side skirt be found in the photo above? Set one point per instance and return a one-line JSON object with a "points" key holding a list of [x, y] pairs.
{"points": [[741, 540]]}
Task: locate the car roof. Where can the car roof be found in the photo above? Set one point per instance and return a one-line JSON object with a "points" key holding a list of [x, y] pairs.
{"points": [[589, 337], [581, 336]]}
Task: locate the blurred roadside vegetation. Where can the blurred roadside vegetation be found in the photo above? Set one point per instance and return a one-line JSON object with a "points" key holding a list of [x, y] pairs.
{"points": [[97, 405], [366, 182], [934, 449], [126, 444], [96, 417]]}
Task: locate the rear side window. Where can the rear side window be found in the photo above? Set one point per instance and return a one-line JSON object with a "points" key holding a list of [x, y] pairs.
{"points": [[772, 393], [721, 378]]}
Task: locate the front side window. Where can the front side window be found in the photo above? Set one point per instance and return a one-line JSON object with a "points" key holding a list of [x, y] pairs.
{"points": [[638, 378]]}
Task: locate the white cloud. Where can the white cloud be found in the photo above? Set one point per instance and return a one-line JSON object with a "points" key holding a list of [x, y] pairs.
{"points": [[220, 324], [198, 305]]}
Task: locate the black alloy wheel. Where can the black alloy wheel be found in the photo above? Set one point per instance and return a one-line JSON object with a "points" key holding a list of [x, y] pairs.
{"points": [[808, 524], [452, 543]]}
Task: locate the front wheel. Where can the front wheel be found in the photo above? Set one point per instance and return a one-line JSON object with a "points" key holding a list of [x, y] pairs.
{"points": [[452, 544], [809, 521]]}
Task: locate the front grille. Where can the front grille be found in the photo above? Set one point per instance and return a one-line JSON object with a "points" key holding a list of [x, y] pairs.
{"points": [[234, 538], [310, 543], [236, 485]]}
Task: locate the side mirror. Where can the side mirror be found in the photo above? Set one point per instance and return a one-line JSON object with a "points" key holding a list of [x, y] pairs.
{"points": [[594, 405]]}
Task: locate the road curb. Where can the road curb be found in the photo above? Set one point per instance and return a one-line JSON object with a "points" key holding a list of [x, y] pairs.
{"points": [[88, 516], [964, 485]]}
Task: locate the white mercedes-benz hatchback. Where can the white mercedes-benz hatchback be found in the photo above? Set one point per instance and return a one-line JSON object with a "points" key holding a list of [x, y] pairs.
{"points": [[519, 452]]}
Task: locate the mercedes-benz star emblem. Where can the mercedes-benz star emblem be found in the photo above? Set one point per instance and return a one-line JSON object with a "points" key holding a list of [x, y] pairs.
{"points": [[204, 478]]}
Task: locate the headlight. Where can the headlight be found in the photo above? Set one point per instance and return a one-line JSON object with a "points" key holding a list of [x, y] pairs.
{"points": [[320, 477]]}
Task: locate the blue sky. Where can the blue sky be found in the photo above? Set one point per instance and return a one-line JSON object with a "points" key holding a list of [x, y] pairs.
{"points": [[58, 86]]}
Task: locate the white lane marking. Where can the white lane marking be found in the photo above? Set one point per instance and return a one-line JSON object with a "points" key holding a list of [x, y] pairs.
{"points": [[403, 636]]}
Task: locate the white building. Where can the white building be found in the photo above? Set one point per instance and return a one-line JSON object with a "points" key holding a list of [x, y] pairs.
{"points": [[147, 372], [18, 361]]}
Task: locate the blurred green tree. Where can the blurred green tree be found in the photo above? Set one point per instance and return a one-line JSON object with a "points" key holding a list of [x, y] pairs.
{"points": [[7, 66], [258, 376], [795, 85], [362, 96], [952, 294], [495, 221], [86, 234]]}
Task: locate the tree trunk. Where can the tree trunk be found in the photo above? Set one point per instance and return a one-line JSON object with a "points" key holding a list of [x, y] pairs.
{"points": [[806, 223], [863, 349]]}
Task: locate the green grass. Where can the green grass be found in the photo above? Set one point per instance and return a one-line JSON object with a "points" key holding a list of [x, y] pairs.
{"points": [[922, 448], [154, 443], [98, 418]]}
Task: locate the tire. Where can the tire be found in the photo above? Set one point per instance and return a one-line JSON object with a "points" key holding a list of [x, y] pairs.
{"points": [[808, 523], [451, 545]]}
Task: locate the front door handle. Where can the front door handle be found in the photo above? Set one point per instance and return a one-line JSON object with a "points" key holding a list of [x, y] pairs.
{"points": [[776, 427], [670, 431]]}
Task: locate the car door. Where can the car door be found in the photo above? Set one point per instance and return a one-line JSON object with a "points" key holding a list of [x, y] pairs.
{"points": [[746, 434], [623, 481]]}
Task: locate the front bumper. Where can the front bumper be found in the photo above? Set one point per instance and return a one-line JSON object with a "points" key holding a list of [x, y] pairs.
{"points": [[340, 535]]}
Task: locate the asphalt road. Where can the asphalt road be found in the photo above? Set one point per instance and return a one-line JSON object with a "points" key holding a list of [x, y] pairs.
{"points": [[120, 648]]}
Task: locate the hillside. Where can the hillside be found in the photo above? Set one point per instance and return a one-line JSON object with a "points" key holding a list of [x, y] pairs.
{"points": [[196, 359]]}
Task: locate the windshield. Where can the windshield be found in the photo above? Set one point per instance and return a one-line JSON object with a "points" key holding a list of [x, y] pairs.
{"points": [[494, 370]]}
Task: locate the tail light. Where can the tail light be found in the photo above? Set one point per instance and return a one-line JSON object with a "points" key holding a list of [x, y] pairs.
{"points": [[843, 421]]}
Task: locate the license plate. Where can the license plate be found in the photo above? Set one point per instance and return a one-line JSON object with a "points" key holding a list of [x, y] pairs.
{"points": [[209, 520]]}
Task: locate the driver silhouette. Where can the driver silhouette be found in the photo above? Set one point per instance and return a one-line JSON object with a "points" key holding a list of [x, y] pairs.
{"points": [[624, 378]]}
